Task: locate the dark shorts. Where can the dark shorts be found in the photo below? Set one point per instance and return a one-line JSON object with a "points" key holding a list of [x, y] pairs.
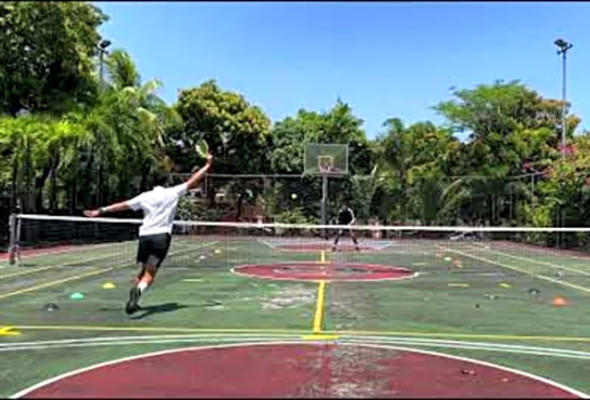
{"points": [[153, 248]]}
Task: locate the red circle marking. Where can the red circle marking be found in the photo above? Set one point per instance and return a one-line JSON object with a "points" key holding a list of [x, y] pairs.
{"points": [[307, 247], [332, 271], [297, 370]]}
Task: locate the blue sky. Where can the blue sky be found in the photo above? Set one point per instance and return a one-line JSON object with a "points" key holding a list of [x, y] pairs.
{"points": [[384, 59]]}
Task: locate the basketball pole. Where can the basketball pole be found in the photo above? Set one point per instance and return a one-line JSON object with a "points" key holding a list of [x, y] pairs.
{"points": [[324, 202]]}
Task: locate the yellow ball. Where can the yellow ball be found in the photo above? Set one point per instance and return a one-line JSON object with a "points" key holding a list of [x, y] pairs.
{"points": [[217, 251], [294, 196]]}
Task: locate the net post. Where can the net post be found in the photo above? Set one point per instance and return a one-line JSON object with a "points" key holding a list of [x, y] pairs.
{"points": [[14, 238]]}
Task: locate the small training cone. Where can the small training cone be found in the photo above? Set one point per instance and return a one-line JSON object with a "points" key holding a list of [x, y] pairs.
{"points": [[108, 285], [76, 296], [559, 301]]}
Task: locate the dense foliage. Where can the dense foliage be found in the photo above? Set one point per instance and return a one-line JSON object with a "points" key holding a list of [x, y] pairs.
{"points": [[71, 140]]}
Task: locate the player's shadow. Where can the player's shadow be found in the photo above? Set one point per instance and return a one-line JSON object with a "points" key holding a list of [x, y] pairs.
{"points": [[159, 308]]}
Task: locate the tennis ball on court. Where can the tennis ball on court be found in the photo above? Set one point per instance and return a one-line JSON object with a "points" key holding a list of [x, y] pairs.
{"points": [[217, 251], [448, 259], [294, 196], [202, 257]]}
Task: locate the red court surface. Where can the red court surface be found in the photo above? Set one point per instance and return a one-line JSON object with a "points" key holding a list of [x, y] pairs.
{"points": [[297, 370], [331, 271]]}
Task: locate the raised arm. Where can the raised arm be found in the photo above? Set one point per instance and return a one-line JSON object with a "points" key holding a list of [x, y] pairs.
{"points": [[197, 176]]}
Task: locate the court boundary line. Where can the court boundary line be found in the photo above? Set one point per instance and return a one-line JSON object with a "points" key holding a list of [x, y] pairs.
{"points": [[546, 278], [146, 339], [384, 333], [48, 267], [67, 248], [96, 366], [81, 276], [556, 266]]}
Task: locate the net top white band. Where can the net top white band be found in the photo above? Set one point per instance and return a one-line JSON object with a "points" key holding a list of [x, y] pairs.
{"points": [[394, 228]]}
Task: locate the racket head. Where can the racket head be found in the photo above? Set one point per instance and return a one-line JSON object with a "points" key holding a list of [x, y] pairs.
{"points": [[202, 148]]}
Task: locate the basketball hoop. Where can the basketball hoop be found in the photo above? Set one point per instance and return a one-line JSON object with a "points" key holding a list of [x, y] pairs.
{"points": [[325, 164]]}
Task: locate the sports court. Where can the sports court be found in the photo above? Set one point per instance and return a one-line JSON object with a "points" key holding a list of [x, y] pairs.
{"points": [[271, 313]]}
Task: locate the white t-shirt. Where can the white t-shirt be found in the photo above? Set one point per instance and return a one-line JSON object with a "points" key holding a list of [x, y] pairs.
{"points": [[159, 208]]}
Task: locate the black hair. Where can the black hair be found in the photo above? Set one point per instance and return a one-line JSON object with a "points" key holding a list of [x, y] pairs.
{"points": [[160, 178]]}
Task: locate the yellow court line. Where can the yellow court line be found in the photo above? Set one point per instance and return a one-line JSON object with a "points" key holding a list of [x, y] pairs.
{"points": [[244, 331], [80, 328], [539, 262], [319, 308], [31, 271], [53, 283], [581, 288], [8, 331], [73, 278]]}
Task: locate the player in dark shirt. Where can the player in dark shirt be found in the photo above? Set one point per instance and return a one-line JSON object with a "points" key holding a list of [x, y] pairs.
{"points": [[345, 217]]}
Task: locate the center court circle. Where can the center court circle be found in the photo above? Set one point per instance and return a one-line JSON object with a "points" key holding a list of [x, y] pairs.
{"points": [[331, 271]]}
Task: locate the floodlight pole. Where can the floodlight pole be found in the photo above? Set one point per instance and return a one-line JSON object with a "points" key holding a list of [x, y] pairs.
{"points": [[563, 47]]}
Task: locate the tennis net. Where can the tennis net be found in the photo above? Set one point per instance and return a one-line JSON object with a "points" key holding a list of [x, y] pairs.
{"points": [[74, 241]]}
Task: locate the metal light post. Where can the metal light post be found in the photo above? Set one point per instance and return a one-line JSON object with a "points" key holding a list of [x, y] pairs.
{"points": [[102, 49], [563, 48]]}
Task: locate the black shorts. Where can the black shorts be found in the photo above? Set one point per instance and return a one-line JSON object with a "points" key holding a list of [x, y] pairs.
{"points": [[153, 248]]}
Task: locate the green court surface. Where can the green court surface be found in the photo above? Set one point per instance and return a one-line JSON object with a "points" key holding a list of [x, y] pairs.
{"points": [[491, 301]]}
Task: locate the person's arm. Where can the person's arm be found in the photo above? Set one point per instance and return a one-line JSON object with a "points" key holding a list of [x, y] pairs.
{"points": [[353, 217], [117, 207], [197, 176]]}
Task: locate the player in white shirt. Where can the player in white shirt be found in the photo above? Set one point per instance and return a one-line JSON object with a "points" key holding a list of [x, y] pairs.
{"points": [[159, 210]]}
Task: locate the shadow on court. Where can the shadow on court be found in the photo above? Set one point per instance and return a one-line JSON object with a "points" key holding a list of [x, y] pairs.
{"points": [[159, 308]]}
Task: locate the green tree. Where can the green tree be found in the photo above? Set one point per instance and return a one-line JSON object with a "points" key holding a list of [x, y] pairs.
{"points": [[46, 55], [237, 132]]}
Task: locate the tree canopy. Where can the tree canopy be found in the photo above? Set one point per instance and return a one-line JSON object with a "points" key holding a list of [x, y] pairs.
{"points": [[69, 142]]}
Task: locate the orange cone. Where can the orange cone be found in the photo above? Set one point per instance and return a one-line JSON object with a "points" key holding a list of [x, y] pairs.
{"points": [[559, 301]]}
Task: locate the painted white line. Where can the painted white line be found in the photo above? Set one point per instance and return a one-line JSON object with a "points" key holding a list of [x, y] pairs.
{"points": [[267, 243], [483, 346], [489, 365], [298, 343]]}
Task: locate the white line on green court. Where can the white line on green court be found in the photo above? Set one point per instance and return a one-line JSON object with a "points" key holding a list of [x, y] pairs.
{"points": [[48, 267], [559, 282], [557, 266], [80, 276]]}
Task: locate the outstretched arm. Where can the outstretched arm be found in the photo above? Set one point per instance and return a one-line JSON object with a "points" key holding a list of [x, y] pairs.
{"points": [[121, 206], [197, 176]]}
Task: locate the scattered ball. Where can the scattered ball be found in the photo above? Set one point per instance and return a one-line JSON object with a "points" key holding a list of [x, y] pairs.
{"points": [[202, 257], [217, 251], [51, 307], [294, 196], [448, 259]]}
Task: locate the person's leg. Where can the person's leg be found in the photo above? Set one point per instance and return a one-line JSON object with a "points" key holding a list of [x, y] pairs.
{"points": [[335, 245], [356, 243], [156, 248]]}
